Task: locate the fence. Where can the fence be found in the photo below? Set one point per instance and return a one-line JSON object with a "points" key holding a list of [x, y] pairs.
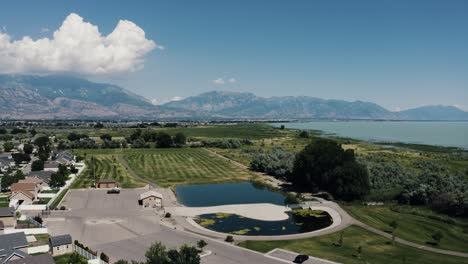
{"points": [[84, 252], [36, 223]]}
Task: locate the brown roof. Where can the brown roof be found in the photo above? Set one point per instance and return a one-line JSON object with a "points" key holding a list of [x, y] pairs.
{"points": [[21, 186], [27, 193], [31, 180]]}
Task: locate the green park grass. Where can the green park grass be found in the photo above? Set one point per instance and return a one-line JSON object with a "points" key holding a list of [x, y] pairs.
{"points": [[415, 224], [58, 198], [105, 166], [375, 249], [170, 167]]}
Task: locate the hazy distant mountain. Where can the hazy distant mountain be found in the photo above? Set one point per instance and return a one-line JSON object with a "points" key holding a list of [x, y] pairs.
{"points": [[247, 105], [434, 112], [49, 97]]}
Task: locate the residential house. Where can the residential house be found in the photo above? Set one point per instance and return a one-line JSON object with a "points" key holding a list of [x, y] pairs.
{"points": [[45, 176], [7, 217], [51, 166], [65, 158], [11, 245], [60, 245], [24, 193], [37, 259], [151, 199], [38, 181]]}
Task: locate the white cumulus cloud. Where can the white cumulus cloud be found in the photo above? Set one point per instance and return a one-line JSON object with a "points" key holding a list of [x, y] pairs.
{"points": [[221, 81], [218, 81], [77, 47]]}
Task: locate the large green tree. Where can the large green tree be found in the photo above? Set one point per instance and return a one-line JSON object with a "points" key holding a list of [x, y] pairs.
{"points": [[325, 165]]}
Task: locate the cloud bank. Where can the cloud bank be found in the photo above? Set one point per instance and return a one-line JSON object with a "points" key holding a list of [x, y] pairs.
{"points": [[78, 47]]}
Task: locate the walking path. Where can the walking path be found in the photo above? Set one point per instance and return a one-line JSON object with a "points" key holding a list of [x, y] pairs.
{"points": [[346, 220]]}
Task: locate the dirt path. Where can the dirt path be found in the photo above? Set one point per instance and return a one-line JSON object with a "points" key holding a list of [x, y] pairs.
{"points": [[134, 174]]}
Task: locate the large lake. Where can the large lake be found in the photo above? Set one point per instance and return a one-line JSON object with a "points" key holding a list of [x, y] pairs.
{"points": [[453, 134]]}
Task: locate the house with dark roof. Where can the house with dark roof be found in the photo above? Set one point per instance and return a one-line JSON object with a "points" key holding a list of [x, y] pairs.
{"points": [[7, 217], [60, 245], [11, 245], [38, 259], [65, 158], [51, 166], [45, 176]]}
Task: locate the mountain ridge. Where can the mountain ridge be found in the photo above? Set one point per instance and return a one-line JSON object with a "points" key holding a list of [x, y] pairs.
{"points": [[66, 97]]}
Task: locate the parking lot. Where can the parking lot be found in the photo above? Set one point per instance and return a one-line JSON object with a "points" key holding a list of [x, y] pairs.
{"points": [[117, 225]]}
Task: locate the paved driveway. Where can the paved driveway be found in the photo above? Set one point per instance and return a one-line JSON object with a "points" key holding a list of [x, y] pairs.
{"points": [[116, 225]]}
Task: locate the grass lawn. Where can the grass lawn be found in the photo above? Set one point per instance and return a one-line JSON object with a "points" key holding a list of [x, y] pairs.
{"points": [[42, 201], [415, 224], [107, 166], [4, 202], [42, 239], [169, 167], [65, 259], [59, 198], [375, 249]]}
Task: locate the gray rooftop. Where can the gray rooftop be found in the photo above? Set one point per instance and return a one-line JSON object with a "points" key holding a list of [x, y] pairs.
{"points": [[38, 259], [43, 175], [7, 211], [60, 240], [13, 241], [6, 255]]}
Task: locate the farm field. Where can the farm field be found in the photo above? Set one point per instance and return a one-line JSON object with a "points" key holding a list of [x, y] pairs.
{"points": [[374, 249], [170, 167], [105, 166], [165, 167], [415, 224]]}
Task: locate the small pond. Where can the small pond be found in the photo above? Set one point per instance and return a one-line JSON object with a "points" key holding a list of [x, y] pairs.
{"points": [[299, 221], [238, 225], [226, 193]]}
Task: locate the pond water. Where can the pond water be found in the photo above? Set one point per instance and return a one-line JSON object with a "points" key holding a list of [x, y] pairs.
{"points": [[245, 193], [226, 193], [238, 225]]}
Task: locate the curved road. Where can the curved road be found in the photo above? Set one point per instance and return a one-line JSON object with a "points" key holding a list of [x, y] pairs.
{"points": [[346, 220]]}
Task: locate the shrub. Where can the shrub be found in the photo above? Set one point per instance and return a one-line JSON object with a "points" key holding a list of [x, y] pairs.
{"points": [[229, 239]]}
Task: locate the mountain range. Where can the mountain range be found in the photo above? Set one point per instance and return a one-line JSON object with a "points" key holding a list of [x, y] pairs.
{"points": [[65, 97]]}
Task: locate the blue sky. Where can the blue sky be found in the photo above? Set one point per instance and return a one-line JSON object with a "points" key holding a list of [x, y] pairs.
{"points": [[399, 54]]}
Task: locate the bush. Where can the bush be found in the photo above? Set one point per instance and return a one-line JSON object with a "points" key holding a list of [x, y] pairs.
{"points": [[63, 208], [167, 215], [229, 239], [276, 162]]}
